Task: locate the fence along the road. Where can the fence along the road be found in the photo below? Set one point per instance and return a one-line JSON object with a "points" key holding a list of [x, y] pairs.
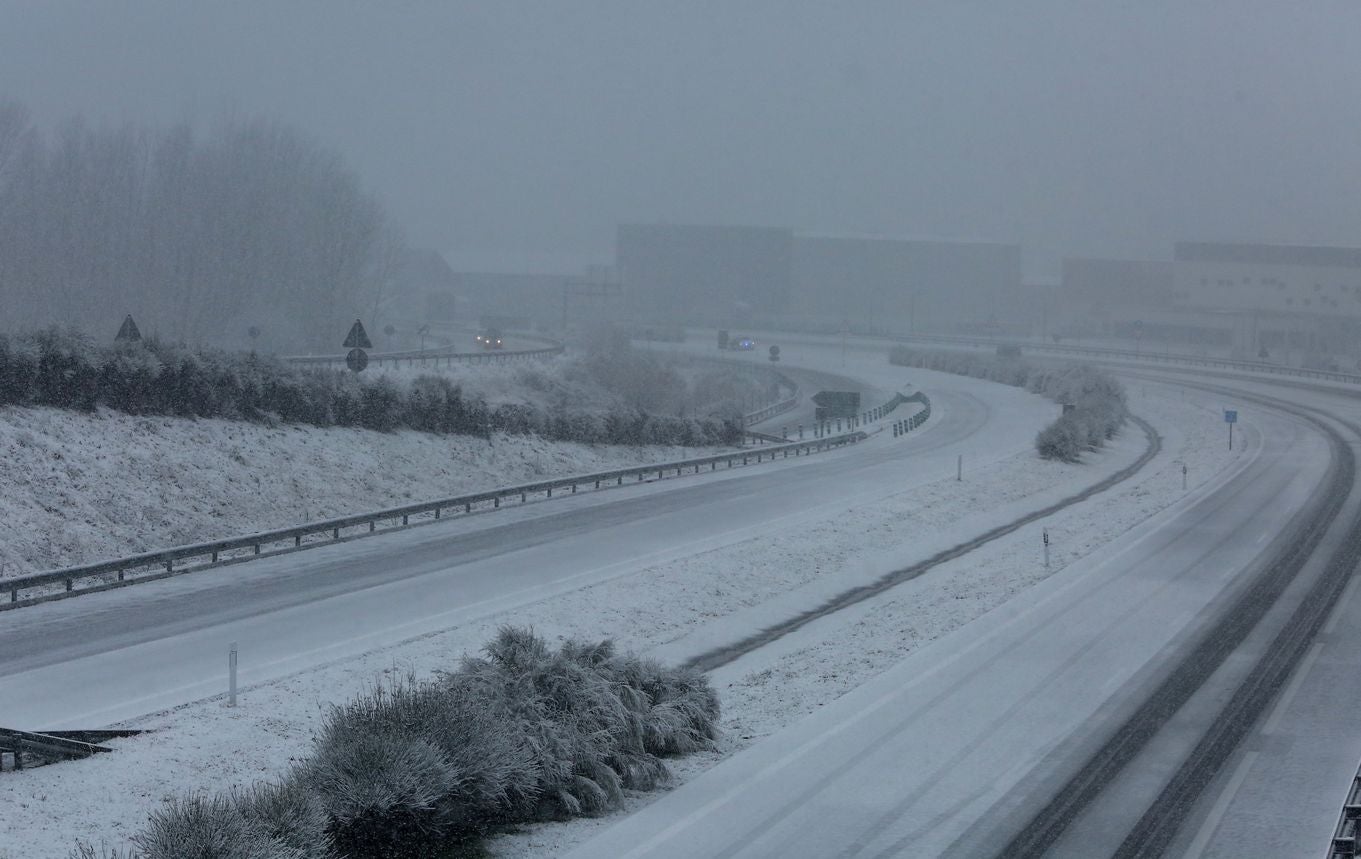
{"points": [[447, 354], [1137, 355], [150, 566]]}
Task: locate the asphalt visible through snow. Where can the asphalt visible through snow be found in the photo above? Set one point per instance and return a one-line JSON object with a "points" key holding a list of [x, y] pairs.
{"points": [[970, 737], [111, 656]]}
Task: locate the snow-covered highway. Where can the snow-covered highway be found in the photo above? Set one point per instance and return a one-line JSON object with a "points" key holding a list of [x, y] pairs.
{"points": [[924, 759], [114, 656]]}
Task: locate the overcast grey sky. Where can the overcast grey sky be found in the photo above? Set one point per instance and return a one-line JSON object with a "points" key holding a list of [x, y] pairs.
{"points": [[502, 129]]}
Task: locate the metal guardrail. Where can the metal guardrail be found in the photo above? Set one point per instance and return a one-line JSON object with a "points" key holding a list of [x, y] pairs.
{"points": [[1345, 837], [447, 354], [1137, 355], [160, 564]]}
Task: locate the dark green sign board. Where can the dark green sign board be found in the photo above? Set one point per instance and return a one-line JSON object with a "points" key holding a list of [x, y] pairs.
{"points": [[838, 404]]}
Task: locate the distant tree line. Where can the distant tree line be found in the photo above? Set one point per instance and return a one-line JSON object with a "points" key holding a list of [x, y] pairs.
{"points": [[198, 234], [1098, 400], [66, 369]]}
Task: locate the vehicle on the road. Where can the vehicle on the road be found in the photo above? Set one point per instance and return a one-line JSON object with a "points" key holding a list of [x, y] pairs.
{"points": [[491, 339], [742, 344]]}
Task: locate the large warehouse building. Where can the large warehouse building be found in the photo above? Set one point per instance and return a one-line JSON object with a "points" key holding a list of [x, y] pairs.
{"points": [[1282, 300], [742, 275], [703, 274]]}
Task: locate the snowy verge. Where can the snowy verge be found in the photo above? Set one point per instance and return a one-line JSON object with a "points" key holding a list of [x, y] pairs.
{"points": [[82, 487], [668, 609]]}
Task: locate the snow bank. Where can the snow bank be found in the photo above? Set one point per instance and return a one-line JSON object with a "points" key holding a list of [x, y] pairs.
{"points": [[79, 487]]}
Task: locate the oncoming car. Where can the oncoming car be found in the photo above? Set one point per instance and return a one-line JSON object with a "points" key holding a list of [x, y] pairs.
{"points": [[491, 339]]}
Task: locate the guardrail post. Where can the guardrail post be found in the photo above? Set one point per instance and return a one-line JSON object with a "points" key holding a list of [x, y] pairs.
{"points": [[231, 676], [800, 432]]}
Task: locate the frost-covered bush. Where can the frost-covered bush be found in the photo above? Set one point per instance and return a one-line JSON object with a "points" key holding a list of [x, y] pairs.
{"points": [[598, 722], [1098, 400], [207, 828], [524, 732]]}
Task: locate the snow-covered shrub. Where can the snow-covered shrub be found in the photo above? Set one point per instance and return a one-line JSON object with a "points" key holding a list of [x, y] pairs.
{"points": [[598, 722], [128, 381], [18, 370], [681, 709], [67, 369], [289, 813], [1098, 400], [207, 828], [89, 851], [525, 732], [382, 786]]}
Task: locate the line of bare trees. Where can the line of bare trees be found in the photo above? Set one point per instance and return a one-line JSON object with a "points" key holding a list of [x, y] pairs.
{"points": [[199, 234]]}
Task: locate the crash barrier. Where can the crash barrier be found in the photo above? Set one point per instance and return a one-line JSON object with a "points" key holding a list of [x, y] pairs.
{"points": [[150, 566], [434, 357], [833, 425], [26, 749], [1344, 844], [1137, 355], [903, 427]]}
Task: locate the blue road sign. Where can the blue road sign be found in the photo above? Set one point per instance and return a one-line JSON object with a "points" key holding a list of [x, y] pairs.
{"points": [[1230, 416]]}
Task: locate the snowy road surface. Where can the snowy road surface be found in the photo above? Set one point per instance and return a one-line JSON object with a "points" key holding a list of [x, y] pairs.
{"points": [[110, 657], [909, 763]]}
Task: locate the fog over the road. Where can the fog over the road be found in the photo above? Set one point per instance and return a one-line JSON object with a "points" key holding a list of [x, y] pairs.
{"points": [[532, 129]]}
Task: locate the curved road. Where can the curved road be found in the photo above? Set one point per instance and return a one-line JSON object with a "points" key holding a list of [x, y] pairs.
{"points": [[113, 656], [952, 751]]}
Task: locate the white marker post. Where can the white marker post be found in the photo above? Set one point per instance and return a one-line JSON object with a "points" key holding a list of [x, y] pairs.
{"points": [[1183, 475], [1046, 548], [231, 676], [959, 467]]}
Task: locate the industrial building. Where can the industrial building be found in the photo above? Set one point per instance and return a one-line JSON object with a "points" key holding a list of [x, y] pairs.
{"points": [[743, 275]]}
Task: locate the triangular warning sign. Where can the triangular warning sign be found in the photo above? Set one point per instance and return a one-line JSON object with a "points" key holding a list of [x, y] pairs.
{"points": [[358, 338], [128, 331]]}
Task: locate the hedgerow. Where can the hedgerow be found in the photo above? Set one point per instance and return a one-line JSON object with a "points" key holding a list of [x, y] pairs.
{"points": [[65, 369], [522, 733], [1098, 401]]}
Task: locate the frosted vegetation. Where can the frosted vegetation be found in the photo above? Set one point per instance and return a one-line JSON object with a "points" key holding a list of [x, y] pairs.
{"points": [[520, 734], [610, 396], [1098, 400], [198, 234]]}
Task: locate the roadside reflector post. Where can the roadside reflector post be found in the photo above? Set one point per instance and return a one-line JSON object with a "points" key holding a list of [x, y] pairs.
{"points": [[959, 467], [800, 432], [231, 676], [1046, 548], [1183, 475]]}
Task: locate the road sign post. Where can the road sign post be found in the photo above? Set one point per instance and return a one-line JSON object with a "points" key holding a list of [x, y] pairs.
{"points": [[231, 676], [1230, 418], [357, 341]]}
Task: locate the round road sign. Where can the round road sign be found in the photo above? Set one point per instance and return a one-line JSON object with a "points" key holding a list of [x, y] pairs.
{"points": [[357, 360]]}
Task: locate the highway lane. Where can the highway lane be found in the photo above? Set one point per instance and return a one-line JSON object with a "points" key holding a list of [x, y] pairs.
{"points": [[914, 762], [112, 656]]}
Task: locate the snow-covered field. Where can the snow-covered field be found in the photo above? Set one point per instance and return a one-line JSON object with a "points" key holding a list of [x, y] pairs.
{"points": [[78, 488], [673, 610]]}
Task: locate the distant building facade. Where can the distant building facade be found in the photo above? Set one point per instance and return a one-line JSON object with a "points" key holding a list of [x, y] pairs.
{"points": [[1114, 297], [739, 275], [703, 274], [903, 285], [1278, 298]]}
